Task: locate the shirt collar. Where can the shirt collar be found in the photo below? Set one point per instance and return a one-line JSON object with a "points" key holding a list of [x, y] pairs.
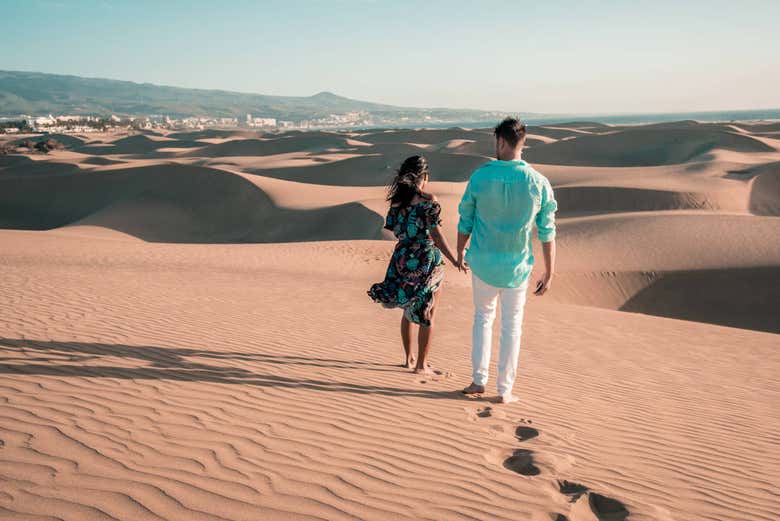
{"points": [[514, 161]]}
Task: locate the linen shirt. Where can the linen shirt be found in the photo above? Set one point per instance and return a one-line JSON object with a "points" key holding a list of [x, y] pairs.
{"points": [[502, 203]]}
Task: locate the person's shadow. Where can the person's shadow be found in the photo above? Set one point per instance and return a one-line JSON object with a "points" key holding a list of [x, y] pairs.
{"points": [[54, 358]]}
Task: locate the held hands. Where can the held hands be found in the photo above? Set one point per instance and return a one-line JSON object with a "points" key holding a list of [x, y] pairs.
{"points": [[543, 284], [461, 264]]}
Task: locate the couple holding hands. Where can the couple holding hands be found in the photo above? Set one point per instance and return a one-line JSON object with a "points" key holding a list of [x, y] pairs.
{"points": [[503, 202]]}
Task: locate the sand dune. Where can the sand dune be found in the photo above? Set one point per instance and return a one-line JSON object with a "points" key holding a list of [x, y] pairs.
{"points": [[730, 282], [211, 133], [485, 146], [176, 203], [583, 125], [158, 365], [69, 140], [271, 146], [378, 168], [761, 128], [598, 199], [558, 132], [13, 166], [642, 146], [427, 136], [137, 145], [765, 189], [98, 160]]}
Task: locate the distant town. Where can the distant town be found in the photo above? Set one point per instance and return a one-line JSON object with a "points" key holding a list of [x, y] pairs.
{"points": [[70, 124]]}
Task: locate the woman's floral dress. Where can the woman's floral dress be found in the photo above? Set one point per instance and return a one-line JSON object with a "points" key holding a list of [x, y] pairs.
{"points": [[416, 268]]}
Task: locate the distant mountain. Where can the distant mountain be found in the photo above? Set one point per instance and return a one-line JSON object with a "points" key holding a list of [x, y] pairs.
{"points": [[39, 93]]}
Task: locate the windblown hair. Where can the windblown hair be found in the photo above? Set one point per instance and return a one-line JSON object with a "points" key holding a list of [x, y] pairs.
{"points": [[403, 187], [512, 130]]}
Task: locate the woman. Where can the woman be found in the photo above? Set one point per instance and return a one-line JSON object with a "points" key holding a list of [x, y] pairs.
{"points": [[416, 271]]}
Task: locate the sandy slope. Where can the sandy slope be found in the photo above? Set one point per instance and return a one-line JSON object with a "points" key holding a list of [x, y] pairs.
{"points": [[158, 363]]}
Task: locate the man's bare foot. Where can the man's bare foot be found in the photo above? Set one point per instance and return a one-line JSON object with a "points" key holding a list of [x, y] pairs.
{"points": [[507, 398], [474, 389], [423, 370]]}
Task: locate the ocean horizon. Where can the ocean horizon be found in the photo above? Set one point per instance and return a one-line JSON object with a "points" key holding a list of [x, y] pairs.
{"points": [[610, 119]]}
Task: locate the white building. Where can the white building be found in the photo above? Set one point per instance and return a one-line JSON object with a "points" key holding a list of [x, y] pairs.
{"points": [[260, 122], [45, 121]]}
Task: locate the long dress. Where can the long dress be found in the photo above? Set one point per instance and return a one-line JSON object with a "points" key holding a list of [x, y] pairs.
{"points": [[416, 269]]}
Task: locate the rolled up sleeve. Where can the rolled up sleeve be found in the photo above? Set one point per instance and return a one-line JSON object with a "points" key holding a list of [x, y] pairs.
{"points": [[466, 211], [545, 219]]}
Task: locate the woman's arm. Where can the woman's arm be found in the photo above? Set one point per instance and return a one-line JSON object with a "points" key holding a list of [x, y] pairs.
{"points": [[441, 242]]}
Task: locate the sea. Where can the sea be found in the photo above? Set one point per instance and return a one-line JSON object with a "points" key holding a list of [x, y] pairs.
{"points": [[768, 115]]}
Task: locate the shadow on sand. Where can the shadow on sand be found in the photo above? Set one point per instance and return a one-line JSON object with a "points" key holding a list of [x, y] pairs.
{"points": [[168, 363]]}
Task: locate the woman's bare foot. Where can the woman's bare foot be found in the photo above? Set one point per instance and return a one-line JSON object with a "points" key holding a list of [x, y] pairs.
{"points": [[426, 369], [410, 363]]}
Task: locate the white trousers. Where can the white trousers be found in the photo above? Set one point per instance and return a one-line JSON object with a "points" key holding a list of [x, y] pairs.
{"points": [[512, 304]]}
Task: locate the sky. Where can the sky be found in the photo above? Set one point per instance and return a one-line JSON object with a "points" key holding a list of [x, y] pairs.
{"points": [[578, 57]]}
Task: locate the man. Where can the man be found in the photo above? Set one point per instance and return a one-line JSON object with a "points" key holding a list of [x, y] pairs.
{"points": [[503, 201]]}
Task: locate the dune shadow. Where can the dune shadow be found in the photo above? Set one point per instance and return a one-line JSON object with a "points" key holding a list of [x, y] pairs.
{"points": [[272, 145], [648, 145], [604, 199], [138, 144], [376, 166], [172, 203], [22, 166], [736, 297], [182, 364]]}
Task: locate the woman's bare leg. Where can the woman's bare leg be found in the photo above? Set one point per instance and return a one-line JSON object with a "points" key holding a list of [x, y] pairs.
{"points": [[406, 338], [424, 338]]}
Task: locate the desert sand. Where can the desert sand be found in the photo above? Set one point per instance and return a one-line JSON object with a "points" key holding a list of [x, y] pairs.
{"points": [[185, 333]]}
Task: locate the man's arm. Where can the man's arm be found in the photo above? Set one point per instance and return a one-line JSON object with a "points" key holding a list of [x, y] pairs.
{"points": [[548, 249], [465, 225], [545, 225], [463, 240]]}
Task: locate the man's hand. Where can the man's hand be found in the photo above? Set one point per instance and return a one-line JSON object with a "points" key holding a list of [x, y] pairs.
{"points": [[463, 239], [543, 284], [462, 265], [548, 248]]}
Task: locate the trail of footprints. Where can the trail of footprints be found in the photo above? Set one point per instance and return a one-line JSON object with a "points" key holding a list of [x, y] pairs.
{"points": [[522, 462]]}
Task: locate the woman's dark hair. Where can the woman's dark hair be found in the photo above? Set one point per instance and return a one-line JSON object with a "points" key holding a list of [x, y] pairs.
{"points": [[403, 187]]}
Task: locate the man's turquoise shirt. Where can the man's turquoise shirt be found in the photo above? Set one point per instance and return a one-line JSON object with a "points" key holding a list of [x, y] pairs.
{"points": [[502, 203]]}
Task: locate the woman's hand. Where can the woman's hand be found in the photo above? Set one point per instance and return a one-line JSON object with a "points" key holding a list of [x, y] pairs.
{"points": [[441, 242]]}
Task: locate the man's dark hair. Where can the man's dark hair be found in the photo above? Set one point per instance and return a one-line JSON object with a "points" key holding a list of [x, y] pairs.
{"points": [[512, 130]]}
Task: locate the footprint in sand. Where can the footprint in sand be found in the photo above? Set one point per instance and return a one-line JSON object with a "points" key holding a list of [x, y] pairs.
{"points": [[523, 433], [437, 375], [522, 462], [606, 508], [571, 489], [487, 412], [603, 507]]}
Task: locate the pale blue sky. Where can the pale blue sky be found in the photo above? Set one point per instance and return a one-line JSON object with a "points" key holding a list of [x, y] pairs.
{"points": [[554, 56]]}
